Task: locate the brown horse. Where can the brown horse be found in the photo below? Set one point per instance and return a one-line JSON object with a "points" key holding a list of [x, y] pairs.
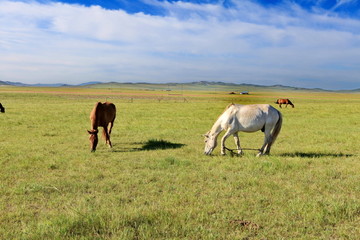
{"points": [[102, 115], [2, 109], [284, 101]]}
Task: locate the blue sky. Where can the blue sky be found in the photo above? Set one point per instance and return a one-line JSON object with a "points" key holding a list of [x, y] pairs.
{"points": [[299, 43]]}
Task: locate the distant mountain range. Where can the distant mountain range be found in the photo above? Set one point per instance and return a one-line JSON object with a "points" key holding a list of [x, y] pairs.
{"points": [[20, 84], [192, 85]]}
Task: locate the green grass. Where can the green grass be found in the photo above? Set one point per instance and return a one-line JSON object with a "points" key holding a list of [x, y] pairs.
{"points": [[156, 183]]}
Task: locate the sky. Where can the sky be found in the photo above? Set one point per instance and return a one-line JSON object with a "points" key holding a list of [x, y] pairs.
{"points": [[300, 43]]}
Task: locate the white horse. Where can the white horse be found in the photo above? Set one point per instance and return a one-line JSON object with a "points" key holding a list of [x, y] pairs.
{"points": [[245, 118]]}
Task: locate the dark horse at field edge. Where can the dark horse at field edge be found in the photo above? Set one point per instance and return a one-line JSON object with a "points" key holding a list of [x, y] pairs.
{"points": [[103, 115], [2, 109], [284, 101]]}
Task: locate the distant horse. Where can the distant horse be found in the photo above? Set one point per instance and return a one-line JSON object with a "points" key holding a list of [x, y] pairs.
{"points": [[245, 118], [2, 109], [102, 115], [284, 101]]}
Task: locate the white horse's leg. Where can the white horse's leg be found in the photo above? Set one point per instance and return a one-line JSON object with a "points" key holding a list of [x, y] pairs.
{"points": [[265, 149], [237, 143], [226, 135]]}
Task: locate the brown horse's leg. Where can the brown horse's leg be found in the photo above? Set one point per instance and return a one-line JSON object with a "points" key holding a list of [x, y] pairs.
{"points": [[110, 126], [107, 137], [280, 105]]}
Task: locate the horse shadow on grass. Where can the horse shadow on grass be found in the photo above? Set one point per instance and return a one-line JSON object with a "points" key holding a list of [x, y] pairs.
{"points": [[314, 154], [152, 144]]}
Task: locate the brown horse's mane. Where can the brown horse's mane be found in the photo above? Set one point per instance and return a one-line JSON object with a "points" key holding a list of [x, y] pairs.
{"points": [[96, 112]]}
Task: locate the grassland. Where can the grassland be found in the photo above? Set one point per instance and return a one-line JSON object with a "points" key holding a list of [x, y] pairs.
{"points": [[156, 183]]}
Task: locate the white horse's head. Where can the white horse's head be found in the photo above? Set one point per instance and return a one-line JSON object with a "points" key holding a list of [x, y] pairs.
{"points": [[210, 143]]}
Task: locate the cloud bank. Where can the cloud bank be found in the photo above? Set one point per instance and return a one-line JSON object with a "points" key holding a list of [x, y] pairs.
{"points": [[244, 42]]}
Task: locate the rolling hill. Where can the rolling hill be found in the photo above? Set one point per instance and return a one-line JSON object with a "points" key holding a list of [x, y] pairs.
{"points": [[203, 86]]}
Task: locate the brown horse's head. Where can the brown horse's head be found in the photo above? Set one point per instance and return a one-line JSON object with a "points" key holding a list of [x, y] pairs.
{"points": [[93, 139]]}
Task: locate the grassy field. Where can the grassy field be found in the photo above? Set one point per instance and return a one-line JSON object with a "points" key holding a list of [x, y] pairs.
{"points": [[156, 183]]}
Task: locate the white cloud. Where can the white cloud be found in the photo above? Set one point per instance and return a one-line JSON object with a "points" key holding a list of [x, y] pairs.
{"points": [[247, 43], [340, 3]]}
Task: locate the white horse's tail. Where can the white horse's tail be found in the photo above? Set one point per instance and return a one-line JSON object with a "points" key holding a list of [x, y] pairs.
{"points": [[275, 132]]}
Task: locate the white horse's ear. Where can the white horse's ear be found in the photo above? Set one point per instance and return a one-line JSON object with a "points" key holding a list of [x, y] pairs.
{"points": [[206, 134]]}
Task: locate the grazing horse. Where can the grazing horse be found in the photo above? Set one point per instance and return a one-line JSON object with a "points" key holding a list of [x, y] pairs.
{"points": [[102, 115], [284, 101], [2, 109], [245, 118]]}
